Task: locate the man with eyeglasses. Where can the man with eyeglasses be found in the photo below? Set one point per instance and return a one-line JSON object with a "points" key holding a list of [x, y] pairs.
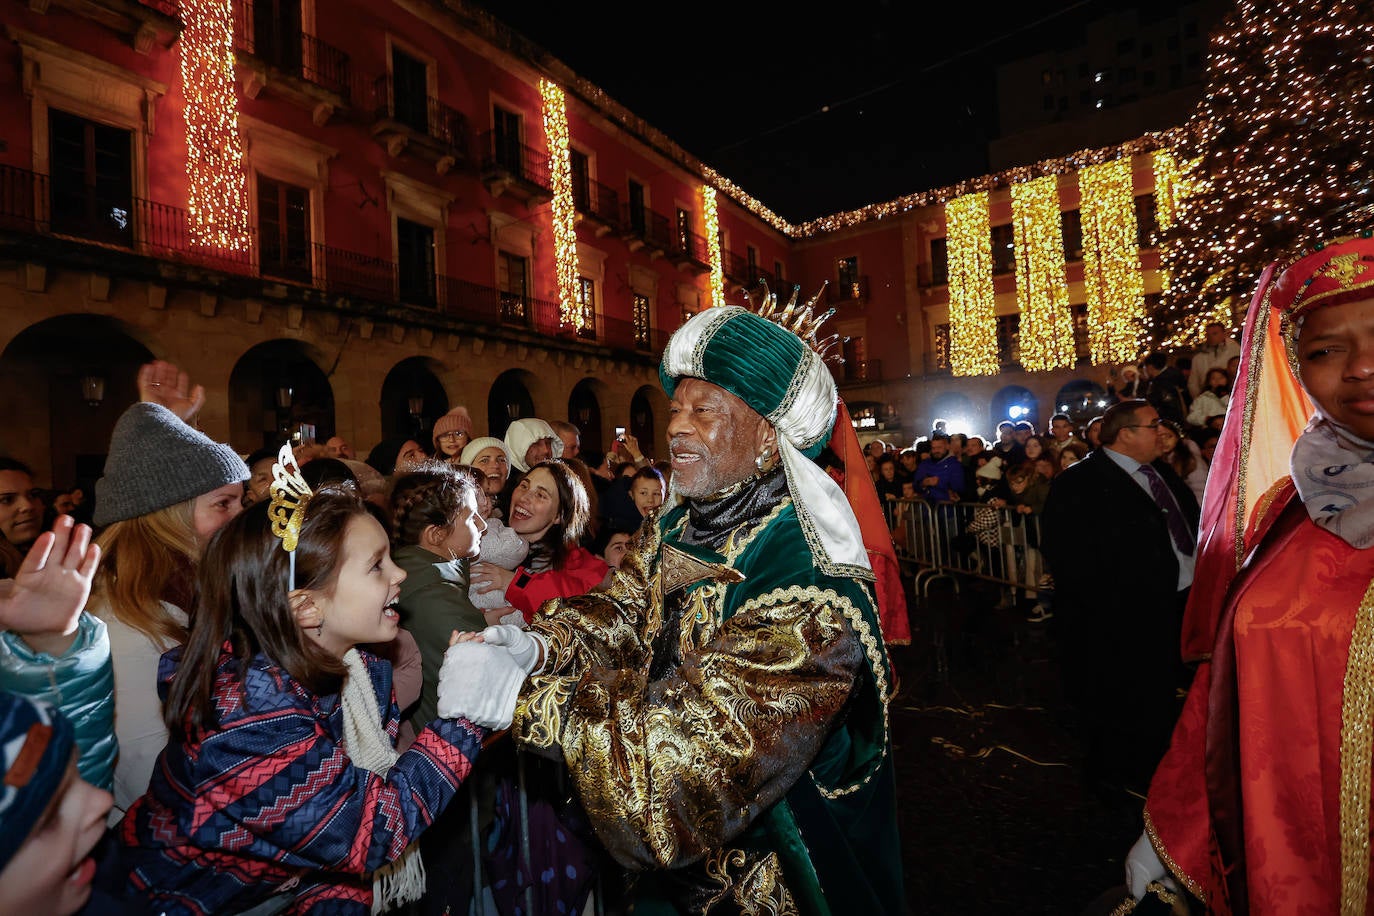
{"points": [[1119, 532]]}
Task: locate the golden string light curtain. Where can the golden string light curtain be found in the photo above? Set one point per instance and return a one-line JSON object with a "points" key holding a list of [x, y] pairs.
{"points": [[564, 210], [217, 204], [712, 217], [1111, 262], [1042, 293], [972, 322]]}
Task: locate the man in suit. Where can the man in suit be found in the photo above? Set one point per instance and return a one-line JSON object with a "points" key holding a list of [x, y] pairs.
{"points": [[1119, 531]]}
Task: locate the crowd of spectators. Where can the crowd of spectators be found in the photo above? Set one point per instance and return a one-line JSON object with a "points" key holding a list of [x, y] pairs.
{"points": [[478, 531], [1014, 468]]}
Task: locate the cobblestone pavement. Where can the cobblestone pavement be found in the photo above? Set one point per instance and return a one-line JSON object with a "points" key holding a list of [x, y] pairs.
{"points": [[995, 817]]}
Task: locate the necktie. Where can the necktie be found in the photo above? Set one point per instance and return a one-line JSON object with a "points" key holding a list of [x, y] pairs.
{"points": [[1178, 528]]}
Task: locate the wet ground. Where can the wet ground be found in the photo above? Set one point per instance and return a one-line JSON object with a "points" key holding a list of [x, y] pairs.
{"points": [[995, 815]]}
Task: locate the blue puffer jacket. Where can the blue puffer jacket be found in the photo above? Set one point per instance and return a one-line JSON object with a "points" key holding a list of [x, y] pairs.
{"points": [[80, 684]]}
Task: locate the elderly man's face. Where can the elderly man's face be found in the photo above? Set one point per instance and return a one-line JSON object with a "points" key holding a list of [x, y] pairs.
{"points": [[540, 450], [713, 438]]}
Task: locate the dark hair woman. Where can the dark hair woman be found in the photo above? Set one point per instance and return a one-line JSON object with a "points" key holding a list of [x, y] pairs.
{"points": [[549, 509]]}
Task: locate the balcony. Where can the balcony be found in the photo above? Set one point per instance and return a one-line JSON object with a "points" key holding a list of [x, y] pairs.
{"points": [[419, 125], [141, 238], [512, 169], [641, 227], [145, 23], [599, 205], [735, 267], [849, 290], [690, 251], [290, 63]]}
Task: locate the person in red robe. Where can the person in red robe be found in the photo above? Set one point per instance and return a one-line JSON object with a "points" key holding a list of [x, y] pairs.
{"points": [[1262, 803]]}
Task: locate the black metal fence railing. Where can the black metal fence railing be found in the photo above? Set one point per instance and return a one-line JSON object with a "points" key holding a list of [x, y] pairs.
{"points": [[521, 162], [597, 200], [423, 114], [694, 247], [154, 230], [290, 50]]}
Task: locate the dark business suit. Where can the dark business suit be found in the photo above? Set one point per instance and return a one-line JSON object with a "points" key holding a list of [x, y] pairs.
{"points": [[1118, 611]]}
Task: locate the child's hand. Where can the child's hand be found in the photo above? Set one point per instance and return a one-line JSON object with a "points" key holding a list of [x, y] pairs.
{"points": [[456, 637]]}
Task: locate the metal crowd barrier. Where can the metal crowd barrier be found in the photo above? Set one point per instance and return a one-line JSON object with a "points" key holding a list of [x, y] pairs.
{"points": [[596, 904], [950, 540]]}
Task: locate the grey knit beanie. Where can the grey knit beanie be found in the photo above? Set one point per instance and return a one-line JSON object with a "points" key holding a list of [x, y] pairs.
{"points": [[157, 461]]}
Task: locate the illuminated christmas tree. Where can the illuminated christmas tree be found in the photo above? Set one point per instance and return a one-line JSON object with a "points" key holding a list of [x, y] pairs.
{"points": [[1281, 150]]}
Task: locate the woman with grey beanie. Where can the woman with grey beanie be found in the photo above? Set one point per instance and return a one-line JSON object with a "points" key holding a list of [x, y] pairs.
{"points": [[167, 489]]}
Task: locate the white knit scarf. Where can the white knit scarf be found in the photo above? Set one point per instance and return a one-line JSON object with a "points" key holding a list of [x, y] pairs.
{"points": [[1333, 470], [369, 746]]}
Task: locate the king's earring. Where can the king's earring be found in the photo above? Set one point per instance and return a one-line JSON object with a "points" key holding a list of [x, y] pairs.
{"points": [[765, 460]]}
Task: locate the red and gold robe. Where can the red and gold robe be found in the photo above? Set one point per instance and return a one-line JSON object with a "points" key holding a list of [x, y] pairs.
{"points": [[1246, 808]]}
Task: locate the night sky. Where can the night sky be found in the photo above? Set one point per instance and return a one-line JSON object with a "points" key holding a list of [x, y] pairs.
{"points": [[813, 109]]}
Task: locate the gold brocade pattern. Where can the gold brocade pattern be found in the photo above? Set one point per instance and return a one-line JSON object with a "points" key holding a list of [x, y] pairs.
{"points": [[669, 774], [872, 649], [1357, 703], [541, 704], [759, 887], [1179, 874]]}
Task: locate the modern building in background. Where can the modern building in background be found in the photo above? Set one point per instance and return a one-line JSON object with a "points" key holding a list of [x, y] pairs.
{"points": [[403, 252]]}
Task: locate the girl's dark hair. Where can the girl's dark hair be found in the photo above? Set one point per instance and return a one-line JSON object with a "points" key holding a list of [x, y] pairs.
{"points": [[321, 471], [244, 600], [574, 511], [429, 495]]}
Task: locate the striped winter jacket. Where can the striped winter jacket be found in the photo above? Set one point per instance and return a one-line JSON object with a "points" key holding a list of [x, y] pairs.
{"points": [[270, 795]]}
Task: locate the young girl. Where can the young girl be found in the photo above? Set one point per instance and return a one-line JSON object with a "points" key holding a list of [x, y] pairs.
{"points": [[280, 779], [436, 529]]}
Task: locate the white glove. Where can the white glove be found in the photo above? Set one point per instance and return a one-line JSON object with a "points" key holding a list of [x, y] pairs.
{"points": [[526, 648], [1143, 868], [480, 683]]}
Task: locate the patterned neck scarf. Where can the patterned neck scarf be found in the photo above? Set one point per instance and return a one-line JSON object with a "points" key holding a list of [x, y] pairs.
{"points": [[1333, 470]]}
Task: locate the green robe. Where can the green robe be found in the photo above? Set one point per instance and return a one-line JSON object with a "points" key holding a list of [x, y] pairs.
{"points": [[724, 719]]}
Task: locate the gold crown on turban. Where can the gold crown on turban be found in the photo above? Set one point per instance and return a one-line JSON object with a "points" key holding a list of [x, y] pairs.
{"points": [[802, 321]]}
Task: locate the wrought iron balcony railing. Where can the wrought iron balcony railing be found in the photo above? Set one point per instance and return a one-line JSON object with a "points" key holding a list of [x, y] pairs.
{"points": [[290, 51], [143, 228], [598, 201], [516, 160], [423, 114]]}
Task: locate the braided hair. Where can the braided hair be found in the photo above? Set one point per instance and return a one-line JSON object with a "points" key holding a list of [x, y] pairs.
{"points": [[431, 494]]}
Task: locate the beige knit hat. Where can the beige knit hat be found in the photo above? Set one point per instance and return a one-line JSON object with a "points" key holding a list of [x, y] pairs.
{"points": [[457, 420]]}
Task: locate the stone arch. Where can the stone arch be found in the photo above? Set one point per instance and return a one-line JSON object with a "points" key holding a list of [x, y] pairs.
{"points": [[412, 399], [509, 399], [585, 412], [1015, 403], [64, 382], [277, 391], [1082, 399]]}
